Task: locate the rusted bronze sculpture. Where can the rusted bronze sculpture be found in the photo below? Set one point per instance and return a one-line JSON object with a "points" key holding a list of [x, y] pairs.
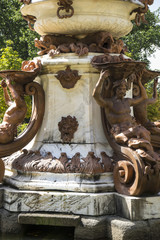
{"points": [[138, 165], [140, 16], [68, 126], [20, 83], [33, 161], [102, 42], [68, 78], [25, 1], [16, 112], [65, 5], [30, 20]]}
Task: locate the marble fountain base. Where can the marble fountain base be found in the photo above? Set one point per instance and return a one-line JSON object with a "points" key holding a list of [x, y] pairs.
{"points": [[83, 200], [106, 215]]}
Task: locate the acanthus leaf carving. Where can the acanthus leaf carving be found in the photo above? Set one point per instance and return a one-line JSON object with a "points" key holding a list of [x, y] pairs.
{"points": [[32, 161], [101, 42]]}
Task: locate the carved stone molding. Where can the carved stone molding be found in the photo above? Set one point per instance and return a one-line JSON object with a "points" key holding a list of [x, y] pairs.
{"points": [[68, 126], [33, 161], [65, 5], [101, 42], [68, 78]]}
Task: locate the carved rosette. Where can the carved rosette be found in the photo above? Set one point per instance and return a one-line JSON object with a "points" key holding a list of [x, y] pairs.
{"points": [[68, 78], [68, 126], [65, 5]]}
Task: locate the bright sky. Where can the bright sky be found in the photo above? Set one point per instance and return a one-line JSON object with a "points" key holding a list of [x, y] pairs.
{"points": [[155, 58]]}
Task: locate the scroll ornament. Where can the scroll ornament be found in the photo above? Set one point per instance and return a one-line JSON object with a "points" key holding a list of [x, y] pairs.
{"points": [[66, 6], [20, 83], [137, 167]]}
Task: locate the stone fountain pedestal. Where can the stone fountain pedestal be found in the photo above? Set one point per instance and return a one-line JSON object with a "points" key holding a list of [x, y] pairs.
{"points": [[64, 177], [84, 201]]}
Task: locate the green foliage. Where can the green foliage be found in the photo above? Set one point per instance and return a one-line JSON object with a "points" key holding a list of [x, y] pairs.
{"points": [[142, 43], [9, 58], [21, 128], [153, 110], [14, 27], [143, 40]]}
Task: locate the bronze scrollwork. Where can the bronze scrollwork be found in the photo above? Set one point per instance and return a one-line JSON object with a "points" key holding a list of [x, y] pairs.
{"points": [[20, 83], [140, 12], [137, 167], [101, 42], [65, 5], [31, 161], [25, 1], [30, 20]]}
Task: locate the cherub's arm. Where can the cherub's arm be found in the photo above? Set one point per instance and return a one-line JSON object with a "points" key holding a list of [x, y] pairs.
{"points": [[97, 92], [154, 97], [143, 95], [6, 95]]}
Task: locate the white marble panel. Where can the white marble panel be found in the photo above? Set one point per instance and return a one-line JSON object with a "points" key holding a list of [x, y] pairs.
{"points": [[138, 208], [75, 182], [62, 202], [78, 101]]}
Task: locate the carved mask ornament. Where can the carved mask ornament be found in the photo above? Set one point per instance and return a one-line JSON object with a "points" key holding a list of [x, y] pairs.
{"points": [[68, 126], [68, 78]]}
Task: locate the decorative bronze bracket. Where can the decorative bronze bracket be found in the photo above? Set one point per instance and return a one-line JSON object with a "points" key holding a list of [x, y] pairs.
{"points": [[65, 5], [68, 78], [31, 21]]}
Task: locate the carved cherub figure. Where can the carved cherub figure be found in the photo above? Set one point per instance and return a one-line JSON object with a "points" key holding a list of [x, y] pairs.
{"points": [[15, 114]]}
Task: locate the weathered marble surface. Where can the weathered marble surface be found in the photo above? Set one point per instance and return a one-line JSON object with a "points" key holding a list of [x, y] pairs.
{"points": [[76, 182], [138, 208], [89, 204], [89, 16], [76, 102], [63, 202]]}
